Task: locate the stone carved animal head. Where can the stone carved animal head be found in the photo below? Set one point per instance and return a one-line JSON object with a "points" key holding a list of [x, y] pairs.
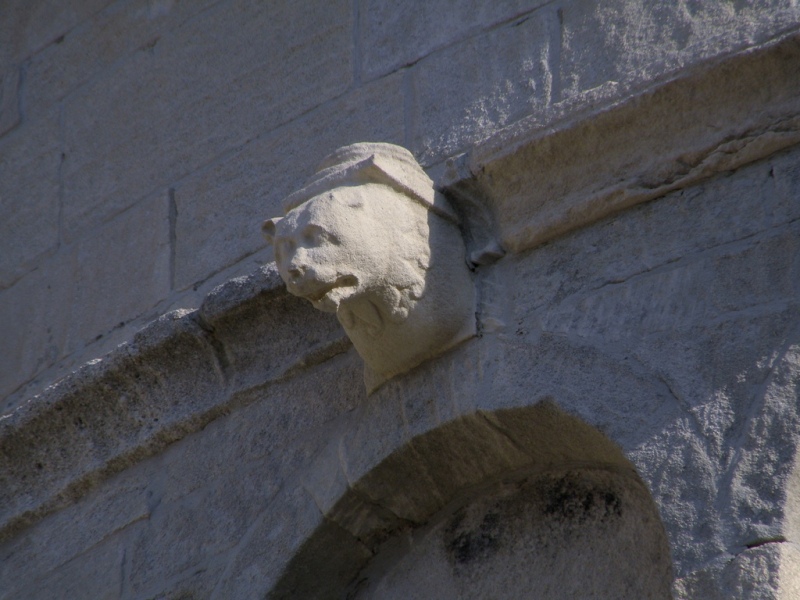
{"points": [[369, 240], [356, 251]]}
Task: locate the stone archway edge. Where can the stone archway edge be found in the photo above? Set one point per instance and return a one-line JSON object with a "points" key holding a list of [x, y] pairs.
{"points": [[541, 180], [190, 366]]}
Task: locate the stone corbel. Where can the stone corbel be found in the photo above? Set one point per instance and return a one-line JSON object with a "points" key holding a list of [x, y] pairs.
{"points": [[369, 239]]}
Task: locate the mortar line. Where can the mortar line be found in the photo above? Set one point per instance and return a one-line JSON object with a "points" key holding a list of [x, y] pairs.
{"points": [[556, 43], [356, 43], [409, 104], [172, 210], [61, 159]]}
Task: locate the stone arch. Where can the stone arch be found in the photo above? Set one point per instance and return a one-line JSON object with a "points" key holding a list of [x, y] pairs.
{"points": [[538, 470]]}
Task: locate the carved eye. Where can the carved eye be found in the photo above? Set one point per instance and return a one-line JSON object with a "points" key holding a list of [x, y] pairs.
{"points": [[283, 247], [314, 235]]}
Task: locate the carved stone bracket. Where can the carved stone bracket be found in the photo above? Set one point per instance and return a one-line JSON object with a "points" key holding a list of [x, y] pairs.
{"points": [[369, 239]]}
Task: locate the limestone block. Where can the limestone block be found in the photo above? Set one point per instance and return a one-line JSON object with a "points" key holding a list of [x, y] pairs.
{"points": [[143, 125], [714, 214], [121, 271], [369, 240], [172, 543], [272, 540], [9, 100], [97, 43], [631, 42], [26, 28], [121, 502], [392, 36], [217, 206], [764, 572], [33, 330], [98, 574], [30, 159], [468, 91]]}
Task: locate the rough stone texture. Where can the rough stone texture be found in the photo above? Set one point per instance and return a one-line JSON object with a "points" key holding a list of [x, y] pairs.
{"points": [[219, 208], [696, 386], [546, 185], [629, 42], [83, 291], [472, 89], [30, 159]]}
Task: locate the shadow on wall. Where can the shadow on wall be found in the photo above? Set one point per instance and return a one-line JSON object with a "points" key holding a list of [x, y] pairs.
{"points": [[445, 517]]}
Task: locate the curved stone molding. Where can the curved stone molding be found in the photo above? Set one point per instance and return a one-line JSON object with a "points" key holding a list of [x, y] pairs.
{"points": [[568, 465], [368, 238]]}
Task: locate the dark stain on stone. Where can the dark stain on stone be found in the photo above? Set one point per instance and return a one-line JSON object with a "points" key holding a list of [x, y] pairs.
{"points": [[569, 499], [481, 542]]}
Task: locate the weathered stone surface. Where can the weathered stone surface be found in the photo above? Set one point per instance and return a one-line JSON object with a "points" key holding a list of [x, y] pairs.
{"points": [[664, 339], [121, 271], [9, 100], [30, 159], [143, 125], [577, 534], [33, 332], [67, 536], [715, 130], [26, 28], [392, 36], [470, 90], [98, 44], [95, 574], [219, 208], [631, 42], [765, 572]]}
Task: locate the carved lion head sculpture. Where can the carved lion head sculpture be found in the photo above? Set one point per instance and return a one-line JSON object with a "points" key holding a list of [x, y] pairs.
{"points": [[369, 239]]}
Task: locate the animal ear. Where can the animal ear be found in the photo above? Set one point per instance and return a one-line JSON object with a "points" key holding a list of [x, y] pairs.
{"points": [[268, 228]]}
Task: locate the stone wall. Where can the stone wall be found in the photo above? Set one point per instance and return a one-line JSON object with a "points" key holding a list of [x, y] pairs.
{"points": [[142, 140], [636, 376]]}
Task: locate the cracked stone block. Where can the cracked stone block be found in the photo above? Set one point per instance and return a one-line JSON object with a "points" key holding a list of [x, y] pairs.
{"points": [[30, 159], [74, 531], [97, 574], [392, 36], [34, 326], [120, 271]]}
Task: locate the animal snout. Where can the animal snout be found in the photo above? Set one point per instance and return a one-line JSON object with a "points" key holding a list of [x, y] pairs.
{"points": [[296, 271]]}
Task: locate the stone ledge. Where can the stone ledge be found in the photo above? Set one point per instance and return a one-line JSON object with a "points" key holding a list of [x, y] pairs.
{"points": [[538, 182], [176, 375]]}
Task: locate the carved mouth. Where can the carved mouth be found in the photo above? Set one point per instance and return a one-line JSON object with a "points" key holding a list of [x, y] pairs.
{"points": [[322, 292]]}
